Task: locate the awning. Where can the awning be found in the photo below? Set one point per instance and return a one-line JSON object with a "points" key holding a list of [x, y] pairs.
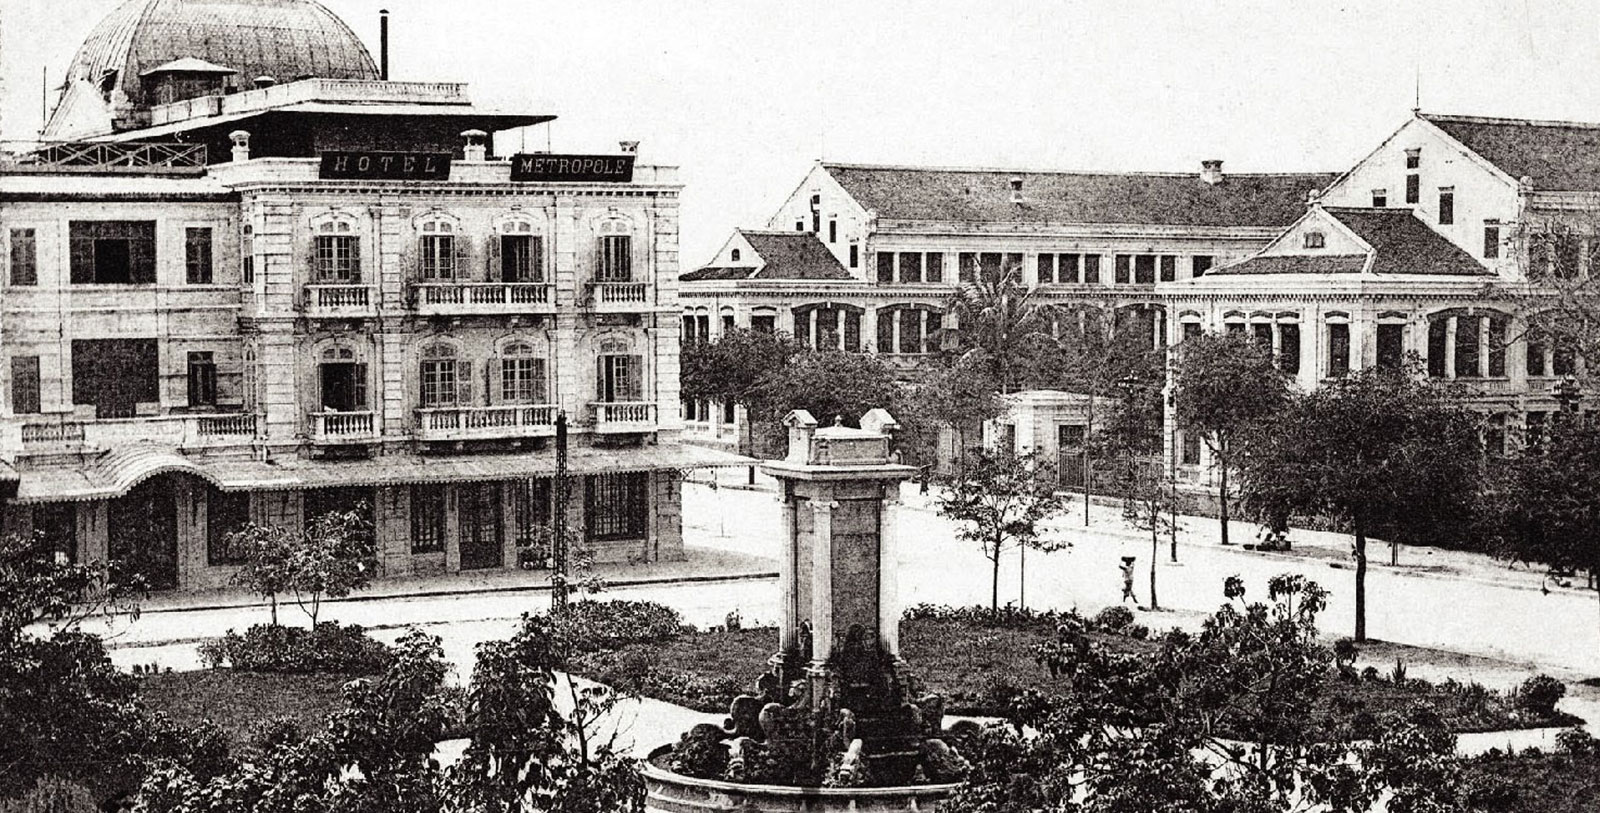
{"points": [[118, 472]]}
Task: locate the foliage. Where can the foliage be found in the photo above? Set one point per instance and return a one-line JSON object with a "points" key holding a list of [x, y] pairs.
{"points": [[733, 367], [41, 587], [1150, 503], [597, 625], [1545, 504], [268, 552], [999, 323], [1540, 694], [1223, 388], [327, 647], [1000, 499], [1378, 451], [331, 557]]}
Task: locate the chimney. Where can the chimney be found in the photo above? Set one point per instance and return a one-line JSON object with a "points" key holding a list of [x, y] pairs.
{"points": [[383, 44], [1211, 171], [476, 149], [1016, 190], [1312, 195], [241, 145], [262, 82], [629, 147]]}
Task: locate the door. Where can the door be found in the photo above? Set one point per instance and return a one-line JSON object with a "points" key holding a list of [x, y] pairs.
{"points": [[144, 532], [482, 535]]}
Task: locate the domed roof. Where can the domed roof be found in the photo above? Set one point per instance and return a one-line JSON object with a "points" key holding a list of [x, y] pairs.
{"points": [[284, 39]]}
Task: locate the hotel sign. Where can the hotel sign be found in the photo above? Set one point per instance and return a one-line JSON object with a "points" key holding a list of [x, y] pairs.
{"points": [[367, 165], [572, 168]]}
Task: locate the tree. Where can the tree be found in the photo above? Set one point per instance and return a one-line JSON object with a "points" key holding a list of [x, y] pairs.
{"points": [[1001, 498], [268, 552], [1377, 451], [958, 394], [733, 368], [333, 556], [1149, 504], [1000, 323], [826, 383], [1223, 387]]}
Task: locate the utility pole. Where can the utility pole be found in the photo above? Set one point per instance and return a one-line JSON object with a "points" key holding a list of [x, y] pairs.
{"points": [[558, 545]]}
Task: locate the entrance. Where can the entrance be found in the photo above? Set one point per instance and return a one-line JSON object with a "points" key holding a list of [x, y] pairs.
{"points": [[482, 535], [144, 532], [343, 387]]}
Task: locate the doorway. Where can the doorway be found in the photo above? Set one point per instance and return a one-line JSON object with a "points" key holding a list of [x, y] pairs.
{"points": [[144, 532], [482, 534]]}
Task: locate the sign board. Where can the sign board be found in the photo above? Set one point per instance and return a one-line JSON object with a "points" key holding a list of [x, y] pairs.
{"points": [[366, 165], [572, 168]]}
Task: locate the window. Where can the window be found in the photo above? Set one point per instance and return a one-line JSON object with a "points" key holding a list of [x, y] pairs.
{"points": [[910, 331], [427, 518], [910, 266], [617, 506], [115, 375], [1413, 158], [522, 376], [24, 258], [1191, 330], [855, 255], [197, 256], [1437, 340], [1468, 348], [935, 267], [1447, 205], [1494, 435], [1491, 239], [967, 267], [1169, 268], [1123, 268], [112, 252], [1289, 348], [728, 412], [1047, 269], [1497, 347], [202, 379], [885, 266], [833, 231], [764, 323], [478, 513], [1380, 198], [1067, 267], [446, 380], [24, 385], [437, 251], [57, 522], [1536, 348], [1144, 269], [1069, 436], [521, 258], [1338, 349], [1191, 449], [799, 225], [733, 255], [620, 378], [1535, 426], [1263, 334], [227, 512], [1315, 239], [1563, 359], [1413, 188], [1391, 346], [343, 381], [816, 221], [531, 509], [616, 257], [337, 254], [1234, 328], [1200, 264], [1091, 268], [247, 255]]}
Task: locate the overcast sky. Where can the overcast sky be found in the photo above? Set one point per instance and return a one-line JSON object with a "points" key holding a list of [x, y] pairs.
{"points": [[745, 94]]}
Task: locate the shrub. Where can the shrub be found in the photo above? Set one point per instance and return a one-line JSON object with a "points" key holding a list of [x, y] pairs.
{"points": [[594, 626], [1577, 742], [330, 647], [1539, 694], [1114, 619]]}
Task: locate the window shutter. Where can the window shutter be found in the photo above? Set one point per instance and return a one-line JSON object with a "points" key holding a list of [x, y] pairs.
{"points": [[463, 383], [142, 253], [600, 379], [541, 384], [463, 258], [313, 273], [492, 271], [355, 260], [490, 367], [536, 258], [635, 378], [82, 250], [361, 387]]}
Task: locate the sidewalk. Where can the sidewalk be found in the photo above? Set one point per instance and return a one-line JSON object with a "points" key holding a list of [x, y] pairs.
{"points": [[699, 565]]}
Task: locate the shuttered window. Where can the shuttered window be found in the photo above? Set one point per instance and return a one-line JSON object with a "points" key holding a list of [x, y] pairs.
{"points": [[112, 252], [24, 385], [617, 506], [427, 518], [620, 378], [24, 258], [197, 256], [616, 258]]}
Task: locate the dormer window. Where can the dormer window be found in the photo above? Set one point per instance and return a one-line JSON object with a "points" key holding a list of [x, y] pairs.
{"points": [[1380, 198], [1315, 239], [733, 255]]}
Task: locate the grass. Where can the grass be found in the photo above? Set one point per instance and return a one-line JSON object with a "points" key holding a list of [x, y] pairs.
{"points": [[1543, 783], [240, 702], [965, 662]]}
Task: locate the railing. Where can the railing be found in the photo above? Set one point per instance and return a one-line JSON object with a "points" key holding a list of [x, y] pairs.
{"points": [[624, 416], [105, 155], [176, 430], [477, 297], [338, 299], [363, 91], [459, 423], [620, 293], [343, 427]]}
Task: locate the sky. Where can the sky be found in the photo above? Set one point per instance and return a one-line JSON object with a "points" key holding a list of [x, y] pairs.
{"points": [[745, 95]]}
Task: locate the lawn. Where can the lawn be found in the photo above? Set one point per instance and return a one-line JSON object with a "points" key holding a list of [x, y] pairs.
{"points": [[240, 702], [1543, 783], [966, 662]]}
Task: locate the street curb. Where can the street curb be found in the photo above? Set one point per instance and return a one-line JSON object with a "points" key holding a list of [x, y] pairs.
{"points": [[469, 591]]}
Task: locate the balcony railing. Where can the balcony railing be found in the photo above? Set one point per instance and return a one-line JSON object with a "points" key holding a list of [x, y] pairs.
{"points": [[449, 298], [472, 423], [104, 156], [624, 416], [174, 430], [613, 294], [343, 427], [338, 300]]}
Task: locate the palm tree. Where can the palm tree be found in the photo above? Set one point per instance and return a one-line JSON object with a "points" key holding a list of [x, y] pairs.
{"points": [[1000, 323]]}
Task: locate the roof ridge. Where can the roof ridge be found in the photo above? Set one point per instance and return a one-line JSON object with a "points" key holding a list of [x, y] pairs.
{"points": [[1024, 170], [1446, 117]]}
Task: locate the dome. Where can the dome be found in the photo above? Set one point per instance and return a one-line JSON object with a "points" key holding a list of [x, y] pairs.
{"points": [[284, 39]]}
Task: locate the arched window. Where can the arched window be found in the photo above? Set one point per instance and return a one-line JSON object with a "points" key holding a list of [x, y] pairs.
{"points": [[436, 250], [523, 378], [446, 380], [520, 252], [614, 254], [336, 253], [342, 380], [733, 255]]}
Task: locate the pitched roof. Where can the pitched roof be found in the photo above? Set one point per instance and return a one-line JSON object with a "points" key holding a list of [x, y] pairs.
{"points": [[1173, 199], [713, 272], [1401, 244], [1558, 155]]}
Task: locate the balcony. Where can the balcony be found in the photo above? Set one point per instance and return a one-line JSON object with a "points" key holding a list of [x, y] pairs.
{"points": [[343, 428], [619, 297], [470, 298], [624, 416], [339, 301], [181, 431], [479, 423]]}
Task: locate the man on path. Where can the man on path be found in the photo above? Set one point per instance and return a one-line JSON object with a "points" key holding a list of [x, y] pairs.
{"points": [[1127, 580]]}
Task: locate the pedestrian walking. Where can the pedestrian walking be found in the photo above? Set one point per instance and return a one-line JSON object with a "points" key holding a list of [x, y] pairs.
{"points": [[1127, 580]]}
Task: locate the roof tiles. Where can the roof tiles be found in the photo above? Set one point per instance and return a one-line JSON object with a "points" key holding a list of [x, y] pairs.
{"points": [[1558, 156]]}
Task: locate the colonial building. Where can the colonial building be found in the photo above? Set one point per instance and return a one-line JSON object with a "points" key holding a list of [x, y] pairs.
{"points": [[870, 254], [248, 278], [1433, 245]]}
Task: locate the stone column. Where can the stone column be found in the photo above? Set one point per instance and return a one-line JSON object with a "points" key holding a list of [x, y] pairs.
{"points": [[1484, 350], [838, 326], [894, 346], [1450, 347], [788, 622], [822, 582], [869, 329], [888, 582]]}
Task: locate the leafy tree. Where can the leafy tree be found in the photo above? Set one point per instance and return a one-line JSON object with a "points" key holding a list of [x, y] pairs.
{"points": [[1376, 451], [826, 383], [1149, 504], [268, 552], [1223, 387], [733, 368], [958, 394], [333, 556], [1001, 498], [1000, 323]]}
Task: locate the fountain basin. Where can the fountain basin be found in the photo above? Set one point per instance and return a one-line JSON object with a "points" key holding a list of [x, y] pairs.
{"points": [[668, 792]]}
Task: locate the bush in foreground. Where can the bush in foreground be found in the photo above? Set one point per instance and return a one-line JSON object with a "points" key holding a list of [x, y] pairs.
{"points": [[328, 647]]}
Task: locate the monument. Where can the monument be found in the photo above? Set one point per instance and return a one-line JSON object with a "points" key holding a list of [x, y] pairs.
{"points": [[838, 721]]}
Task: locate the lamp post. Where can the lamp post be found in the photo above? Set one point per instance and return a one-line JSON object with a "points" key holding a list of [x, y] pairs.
{"points": [[558, 544]]}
